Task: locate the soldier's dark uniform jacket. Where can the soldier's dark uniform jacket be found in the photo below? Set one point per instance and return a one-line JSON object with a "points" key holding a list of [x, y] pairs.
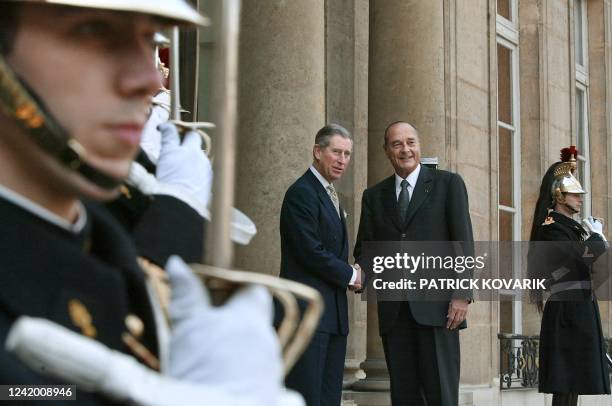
{"points": [[154, 221], [572, 348], [88, 281]]}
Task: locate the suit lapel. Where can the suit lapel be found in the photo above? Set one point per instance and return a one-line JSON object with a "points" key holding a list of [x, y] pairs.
{"points": [[389, 201], [329, 206], [420, 193], [344, 232], [324, 198]]}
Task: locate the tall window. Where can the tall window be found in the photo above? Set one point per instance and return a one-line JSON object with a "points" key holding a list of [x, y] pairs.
{"points": [[508, 136], [581, 57]]}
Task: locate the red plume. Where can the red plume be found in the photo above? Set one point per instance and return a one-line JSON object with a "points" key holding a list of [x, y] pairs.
{"points": [[568, 153]]}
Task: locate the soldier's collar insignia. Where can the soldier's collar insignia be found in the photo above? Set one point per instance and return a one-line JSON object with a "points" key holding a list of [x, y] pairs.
{"points": [[81, 318]]}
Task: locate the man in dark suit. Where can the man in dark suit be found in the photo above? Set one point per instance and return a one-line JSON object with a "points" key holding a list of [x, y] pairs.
{"points": [[314, 245], [420, 338]]}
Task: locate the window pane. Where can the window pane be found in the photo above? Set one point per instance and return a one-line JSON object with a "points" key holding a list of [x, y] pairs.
{"points": [[506, 259], [580, 135], [581, 169], [578, 32], [503, 9], [504, 84], [506, 175], [580, 120], [505, 315], [582, 140]]}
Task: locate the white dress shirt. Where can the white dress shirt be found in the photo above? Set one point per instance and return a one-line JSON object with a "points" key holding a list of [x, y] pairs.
{"points": [[411, 179], [45, 214], [325, 184]]}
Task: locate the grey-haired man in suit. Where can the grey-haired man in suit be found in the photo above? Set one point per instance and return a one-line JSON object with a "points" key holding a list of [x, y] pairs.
{"points": [[314, 244], [416, 203]]}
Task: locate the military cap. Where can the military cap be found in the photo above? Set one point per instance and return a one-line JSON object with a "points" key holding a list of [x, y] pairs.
{"points": [[178, 11]]}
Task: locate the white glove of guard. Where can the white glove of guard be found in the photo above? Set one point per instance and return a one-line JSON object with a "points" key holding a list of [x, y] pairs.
{"points": [[151, 137], [54, 350], [183, 170], [233, 346], [242, 227], [594, 226]]}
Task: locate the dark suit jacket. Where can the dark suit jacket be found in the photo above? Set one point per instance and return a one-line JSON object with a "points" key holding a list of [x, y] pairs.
{"points": [[438, 211], [314, 247]]}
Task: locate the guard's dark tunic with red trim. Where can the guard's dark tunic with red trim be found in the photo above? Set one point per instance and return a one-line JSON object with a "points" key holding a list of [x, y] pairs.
{"points": [[572, 349]]}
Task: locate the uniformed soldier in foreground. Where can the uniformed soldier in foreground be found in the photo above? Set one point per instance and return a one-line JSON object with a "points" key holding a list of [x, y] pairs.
{"points": [[76, 79], [572, 356]]}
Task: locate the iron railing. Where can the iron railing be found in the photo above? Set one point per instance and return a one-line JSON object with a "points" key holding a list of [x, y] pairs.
{"points": [[518, 361]]}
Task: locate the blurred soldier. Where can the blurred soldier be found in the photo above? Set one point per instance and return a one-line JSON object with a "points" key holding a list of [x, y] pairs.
{"points": [[572, 349], [164, 201], [76, 79], [165, 214]]}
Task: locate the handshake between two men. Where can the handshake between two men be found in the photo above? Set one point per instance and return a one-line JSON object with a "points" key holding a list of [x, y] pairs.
{"points": [[357, 285], [315, 251]]}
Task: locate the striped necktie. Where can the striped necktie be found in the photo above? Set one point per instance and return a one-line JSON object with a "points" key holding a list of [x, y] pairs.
{"points": [[334, 197]]}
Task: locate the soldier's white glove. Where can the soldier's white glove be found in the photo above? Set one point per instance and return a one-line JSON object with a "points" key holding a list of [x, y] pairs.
{"points": [[233, 346], [184, 166], [54, 350], [151, 137], [243, 229], [594, 226], [183, 170], [156, 148]]}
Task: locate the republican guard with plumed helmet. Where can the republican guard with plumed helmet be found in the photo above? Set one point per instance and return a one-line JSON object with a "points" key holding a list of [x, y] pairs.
{"points": [[572, 354]]}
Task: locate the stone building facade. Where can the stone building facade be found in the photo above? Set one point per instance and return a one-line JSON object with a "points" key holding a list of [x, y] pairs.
{"points": [[496, 88]]}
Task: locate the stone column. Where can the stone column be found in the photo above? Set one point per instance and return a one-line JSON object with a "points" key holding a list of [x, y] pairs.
{"points": [[281, 107], [546, 92], [406, 82], [347, 105], [375, 367], [406, 76]]}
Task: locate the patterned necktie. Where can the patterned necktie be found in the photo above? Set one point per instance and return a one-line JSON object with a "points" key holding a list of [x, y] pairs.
{"points": [[403, 200], [334, 197]]}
